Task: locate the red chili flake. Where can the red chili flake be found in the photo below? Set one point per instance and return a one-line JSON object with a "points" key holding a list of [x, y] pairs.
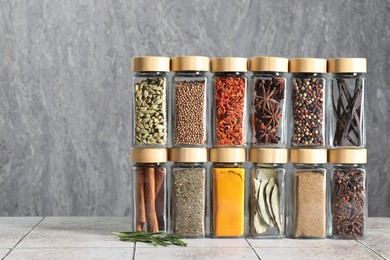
{"points": [[230, 109]]}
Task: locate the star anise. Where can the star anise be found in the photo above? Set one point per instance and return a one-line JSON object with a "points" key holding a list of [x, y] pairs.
{"points": [[272, 115], [267, 134], [265, 99], [279, 86]]}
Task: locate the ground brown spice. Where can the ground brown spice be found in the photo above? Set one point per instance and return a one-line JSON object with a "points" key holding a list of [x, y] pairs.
{"points": [[309, 204]]}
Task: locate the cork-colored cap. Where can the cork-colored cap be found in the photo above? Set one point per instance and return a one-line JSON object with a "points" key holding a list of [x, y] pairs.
{"points": [[229, 64], [307, 65], [188, 155], [268, 155], [149, 155], [347, 65], [150, 63], [271, 64], [348, 156], [227, 155], [190, 63], [308, 156]]}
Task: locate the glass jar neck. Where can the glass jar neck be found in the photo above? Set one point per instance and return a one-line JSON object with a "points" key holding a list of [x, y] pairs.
{"points": [[189, 164], [268, 165], [267, 74], [150, 74], [348, 75], [308, 75], [228, 165], [190, 73], [229, 74], [349, 165], [308, 166], [149, 165]]}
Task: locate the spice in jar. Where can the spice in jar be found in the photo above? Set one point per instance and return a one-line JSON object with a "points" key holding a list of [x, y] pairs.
{"points": [[228, 201], [308, 114], [189, 202], [266, 212], [150, 113], [230, 110], [190, 113], [268, 98], [150, 198], [309, 204], [349, 203]]}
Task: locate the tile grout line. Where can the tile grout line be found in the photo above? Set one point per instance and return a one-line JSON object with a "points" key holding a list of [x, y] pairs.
{"points": [[23, 238], [258, 257], [371, 249], [135, 248]]}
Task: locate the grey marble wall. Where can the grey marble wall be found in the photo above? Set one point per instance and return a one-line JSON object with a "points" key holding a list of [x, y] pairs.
{"points": [[65, 77]]}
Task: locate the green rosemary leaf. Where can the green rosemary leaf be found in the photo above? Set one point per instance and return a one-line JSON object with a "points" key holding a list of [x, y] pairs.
{"points": [[156, 238]]}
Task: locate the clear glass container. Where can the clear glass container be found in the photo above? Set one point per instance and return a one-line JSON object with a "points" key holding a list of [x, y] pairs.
{"points": [[188, 192], [190, 108], [269, 106], [349, 204], [149, 101], [228, 201], [149, 190], [229, 98], [309, 193], [309, 92], [347, 95], [267, 188]]}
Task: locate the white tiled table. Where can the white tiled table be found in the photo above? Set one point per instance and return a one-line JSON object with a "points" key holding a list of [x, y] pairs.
{"points": [[91, 238]]}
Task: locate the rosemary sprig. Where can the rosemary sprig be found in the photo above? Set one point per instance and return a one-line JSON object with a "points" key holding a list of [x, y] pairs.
{"points": [[156, 238]]}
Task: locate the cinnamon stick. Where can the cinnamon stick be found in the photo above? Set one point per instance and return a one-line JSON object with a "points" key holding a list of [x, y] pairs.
{"points": [[160, 202], [150, 199], [140, 217]]}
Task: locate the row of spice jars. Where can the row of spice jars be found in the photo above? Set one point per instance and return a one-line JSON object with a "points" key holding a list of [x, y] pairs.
{"points": [[271, 201], [322, 107]]}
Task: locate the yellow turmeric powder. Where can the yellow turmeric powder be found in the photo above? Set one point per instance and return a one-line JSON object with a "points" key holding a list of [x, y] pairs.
{"points": [[228, 202]]}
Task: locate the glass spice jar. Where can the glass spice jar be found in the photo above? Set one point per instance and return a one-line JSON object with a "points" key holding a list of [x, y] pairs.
{"points": [[347, 91], [188, 191], [229, 121], [149, 189], [348, 193], [267, 202], [309, 90], [309, 190], [268, 112], [189, 100], [228, 192], [149, 101]]}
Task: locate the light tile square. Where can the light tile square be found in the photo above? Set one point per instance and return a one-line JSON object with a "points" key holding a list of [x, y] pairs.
{"points": [[209, 243], [317, 253], [71, 253], [62, 232], [8, 239], [302, 243], [171, 253], [3, 252], [18, 223]]}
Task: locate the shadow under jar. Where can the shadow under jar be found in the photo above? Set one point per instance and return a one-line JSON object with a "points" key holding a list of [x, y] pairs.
{"points": [[149, 101], [149, 189], [188, 192], [228, 192], [349, 203], [309, 90], [189, 101], [347, 91], [267, 203], [309, 182], [229, 121], [268, 111]]}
